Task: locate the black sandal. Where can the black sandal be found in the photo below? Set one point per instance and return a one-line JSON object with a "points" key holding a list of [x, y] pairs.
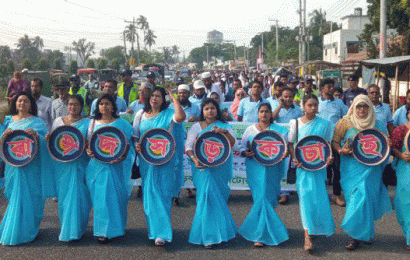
{"points": [[353, 245], [103, 240]]}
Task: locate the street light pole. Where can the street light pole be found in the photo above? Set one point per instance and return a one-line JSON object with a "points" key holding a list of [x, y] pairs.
{"points": [[383, 18]]}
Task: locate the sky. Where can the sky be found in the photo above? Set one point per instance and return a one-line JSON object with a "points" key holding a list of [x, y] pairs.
{"points": [[178, 22]]}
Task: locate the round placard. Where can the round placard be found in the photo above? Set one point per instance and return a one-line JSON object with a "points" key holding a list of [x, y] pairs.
{"points": [[212, 149], [157, 146], [269, 147], [108, 143], [370, 147], [66, 143], [312, 152], [19, 148]]}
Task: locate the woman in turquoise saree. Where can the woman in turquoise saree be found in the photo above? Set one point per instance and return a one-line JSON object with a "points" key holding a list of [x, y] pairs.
{"points": [[314, 202], [213, 222], [74, 202], [109, 184], [159, 182], [366, 196], [25, 187], [263, 225]]}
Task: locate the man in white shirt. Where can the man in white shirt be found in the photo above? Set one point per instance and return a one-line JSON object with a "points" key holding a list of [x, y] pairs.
{"points": [[211, 87], [43, 103], [59, 105]]}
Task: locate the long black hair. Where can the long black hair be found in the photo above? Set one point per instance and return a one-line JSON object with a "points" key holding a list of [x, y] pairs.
{"points": [[165, 104], [110, 98], [33, 105], [218, 110]]}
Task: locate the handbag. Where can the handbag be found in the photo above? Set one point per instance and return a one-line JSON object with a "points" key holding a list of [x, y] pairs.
{"points": [[291, 175]]}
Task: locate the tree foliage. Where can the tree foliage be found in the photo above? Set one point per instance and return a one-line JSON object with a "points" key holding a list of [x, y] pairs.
{"points": [[90, 63], [84, 49], [113, 53], [42, 65]]}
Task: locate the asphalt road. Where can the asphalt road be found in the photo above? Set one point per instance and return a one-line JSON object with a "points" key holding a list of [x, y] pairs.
{"points": [[389, 242]]}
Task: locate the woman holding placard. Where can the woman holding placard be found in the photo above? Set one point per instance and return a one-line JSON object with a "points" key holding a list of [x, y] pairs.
{"points": [[400, 146], [74, 202], [366, 196], [110, 184], [158, 181], [25, 187], [213, 222], [314, 203], [263, 225]]}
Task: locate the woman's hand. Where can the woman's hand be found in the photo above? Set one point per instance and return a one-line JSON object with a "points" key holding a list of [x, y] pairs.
{"points": [[171, 96], [405, 156], [198, 164], [219, 130], [32, 132], [47, 137], [296, 163], [138, 147], [346, 149], [330, 160], [122, 157], [6, 132], [248, 153], [284, 156]]}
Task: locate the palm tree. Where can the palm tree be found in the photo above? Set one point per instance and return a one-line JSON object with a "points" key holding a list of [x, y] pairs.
{"points": [[143, 25], [131, 35], [38, 42], [167, 55], [175, 52], [149, 38]]}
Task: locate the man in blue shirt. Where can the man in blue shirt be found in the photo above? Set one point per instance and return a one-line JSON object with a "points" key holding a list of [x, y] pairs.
{"points": [[110, 87], [284, 109], [144, 92], [199, 93], [191, 110], [248, 107], [400, 115], [382, 111], [332, 109], [353, 90]]}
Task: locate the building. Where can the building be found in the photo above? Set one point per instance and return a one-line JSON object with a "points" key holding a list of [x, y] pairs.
{"points": [[215, 37], [339, 44]]}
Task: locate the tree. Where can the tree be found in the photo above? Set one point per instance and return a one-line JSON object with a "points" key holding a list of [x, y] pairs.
{"points": [[398, 17], [27, 50], [113, 53], [73, 67], [131, 35], [175, 52], [102, 63], [150, 38], [10, 66], [144, 26], [84, 49], [58, 64], [24, 43], [42, 65], [90, 63], [38, 42], [5, 54], [115, 64], [51, 56], [27, 64]]}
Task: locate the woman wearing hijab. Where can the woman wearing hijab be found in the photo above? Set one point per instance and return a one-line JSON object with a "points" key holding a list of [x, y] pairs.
{"points": [[239, 95], [366, 196]]}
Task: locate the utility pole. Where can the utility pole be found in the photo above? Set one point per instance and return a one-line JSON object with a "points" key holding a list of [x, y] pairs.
{"points": [[302, 31], [383, 18], [277, 39], [133, 22]]}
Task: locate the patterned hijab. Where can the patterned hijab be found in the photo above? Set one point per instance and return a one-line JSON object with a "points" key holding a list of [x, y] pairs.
{"points": [[361, 123]]}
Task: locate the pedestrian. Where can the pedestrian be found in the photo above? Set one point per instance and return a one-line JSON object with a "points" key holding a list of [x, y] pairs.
{"points": [[74, 202], [109, 184], [43, 103], [399, 116], [353, 90], [402, 198], [263, 225], [366, 196], [314, 203], [248, 107], [25, 187], [159, 182], [213, 222]]}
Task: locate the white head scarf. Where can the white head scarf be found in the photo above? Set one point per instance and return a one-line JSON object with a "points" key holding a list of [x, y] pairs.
{"points": [[361, 123]]}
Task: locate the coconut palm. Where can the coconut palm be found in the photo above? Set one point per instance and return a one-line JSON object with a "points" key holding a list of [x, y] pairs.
{"points": [[131, 35], [175, 52], [38, 42], [143, 24], [24, 43], [149, 38]]}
